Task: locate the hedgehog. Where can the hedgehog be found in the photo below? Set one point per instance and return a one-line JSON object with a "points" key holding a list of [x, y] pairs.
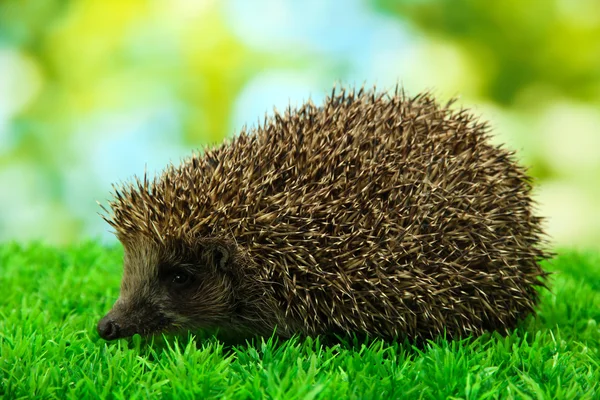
{"points": [[376, 214]]}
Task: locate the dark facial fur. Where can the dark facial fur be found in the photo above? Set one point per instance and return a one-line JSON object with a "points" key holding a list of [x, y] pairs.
{"points": [[180, 286], [373, 214]]}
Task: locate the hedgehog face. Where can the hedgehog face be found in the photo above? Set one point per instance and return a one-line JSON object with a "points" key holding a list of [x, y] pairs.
{"points": [[171, 286]]}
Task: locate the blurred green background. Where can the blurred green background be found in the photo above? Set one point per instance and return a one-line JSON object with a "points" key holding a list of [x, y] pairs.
{"points": [[92, 92]]}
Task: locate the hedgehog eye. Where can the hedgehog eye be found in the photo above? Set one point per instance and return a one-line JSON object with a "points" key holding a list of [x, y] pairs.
{"points": [[181, 279]]}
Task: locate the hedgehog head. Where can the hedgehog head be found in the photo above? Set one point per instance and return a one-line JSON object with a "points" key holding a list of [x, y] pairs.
{"points": [[173, 276], [173, 285]]}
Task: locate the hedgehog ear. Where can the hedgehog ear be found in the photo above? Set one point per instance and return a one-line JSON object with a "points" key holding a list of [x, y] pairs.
{"points": [[217, 256], [221, 255]]}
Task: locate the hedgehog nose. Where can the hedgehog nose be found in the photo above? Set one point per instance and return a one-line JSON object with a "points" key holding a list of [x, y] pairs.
{"points": [[108, 329]]}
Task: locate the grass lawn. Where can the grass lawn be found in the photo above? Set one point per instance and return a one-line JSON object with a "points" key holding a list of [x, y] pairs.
{"points": [[51, 300]]}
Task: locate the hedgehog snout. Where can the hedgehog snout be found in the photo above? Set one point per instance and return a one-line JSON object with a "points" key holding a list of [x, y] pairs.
{"points": [[108, 328], [116, 324], [125, 320]]}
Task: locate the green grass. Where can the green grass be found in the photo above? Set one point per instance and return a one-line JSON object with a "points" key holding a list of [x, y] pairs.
{"points": [[51, 300]]}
